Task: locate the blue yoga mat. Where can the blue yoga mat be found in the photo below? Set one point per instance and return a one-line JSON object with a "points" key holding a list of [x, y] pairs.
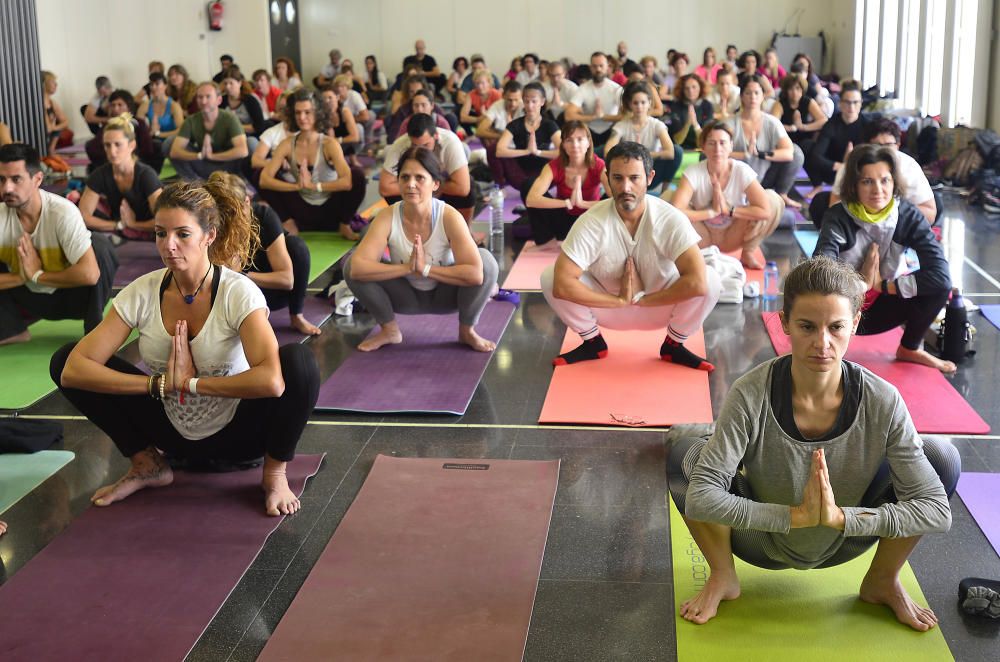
{"points": [[991, 311], [807, 240]]}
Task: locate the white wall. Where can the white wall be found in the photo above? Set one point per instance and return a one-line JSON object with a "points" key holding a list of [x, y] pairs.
{"points": [[117, 38], [993, 117], [554, 28]]}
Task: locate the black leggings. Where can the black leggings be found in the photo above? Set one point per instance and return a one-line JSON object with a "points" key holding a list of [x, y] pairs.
{"points": [[755, 547], [549, 224], [294, 298], [261, 426], [889, 311], [338, 209]]}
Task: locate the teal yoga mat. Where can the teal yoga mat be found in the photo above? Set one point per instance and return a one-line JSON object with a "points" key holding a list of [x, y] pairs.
{"points": [[20, 473]]}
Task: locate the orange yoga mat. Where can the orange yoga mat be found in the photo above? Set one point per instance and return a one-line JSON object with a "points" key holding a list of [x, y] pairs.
{"points": [[526, 272], [631, 387], [435, 560]]}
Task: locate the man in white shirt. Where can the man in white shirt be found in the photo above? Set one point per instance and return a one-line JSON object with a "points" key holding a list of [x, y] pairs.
{"points": [[50, 265], [559, 91], [632, 262], [597, 101], [423, 132], [330, 70]]}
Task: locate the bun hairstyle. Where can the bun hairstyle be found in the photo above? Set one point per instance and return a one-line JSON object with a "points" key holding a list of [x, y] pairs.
{"points": [[122, 123], [217, 203]]}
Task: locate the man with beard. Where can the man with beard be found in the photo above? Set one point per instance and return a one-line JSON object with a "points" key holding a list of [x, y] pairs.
{"points": [[50, 265], [597, 101], [209, 140], [632, 262]]}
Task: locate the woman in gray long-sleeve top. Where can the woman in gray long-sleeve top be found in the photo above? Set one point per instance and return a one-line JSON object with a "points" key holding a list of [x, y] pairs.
{"points": [[814, 460]]}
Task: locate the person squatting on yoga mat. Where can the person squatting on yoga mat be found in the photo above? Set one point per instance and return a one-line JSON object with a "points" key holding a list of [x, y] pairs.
{"points": [[280, 265], [724, 201], [51, 266], [812, 431], [325, 192], [221, 389], [631, 263], [434, 264], [871, 229]]}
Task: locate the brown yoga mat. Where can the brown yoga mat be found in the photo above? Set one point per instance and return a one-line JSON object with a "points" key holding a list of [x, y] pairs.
{"points": [[435, 560], [142, 578]]}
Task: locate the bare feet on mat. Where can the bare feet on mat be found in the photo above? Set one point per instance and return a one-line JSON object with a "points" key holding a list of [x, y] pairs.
{"points": [[304, 326], [291, 227], [388, 334], [705, 605], [24, 336], [468, 335], [148, 469], [890, 592], [791, 202], [924, 358], [813, 192], [278, 497], [3, 528], [751, 259], [347, 233]]}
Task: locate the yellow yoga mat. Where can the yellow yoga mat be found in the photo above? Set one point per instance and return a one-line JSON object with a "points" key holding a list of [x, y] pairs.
{"points": [[794, 615]]}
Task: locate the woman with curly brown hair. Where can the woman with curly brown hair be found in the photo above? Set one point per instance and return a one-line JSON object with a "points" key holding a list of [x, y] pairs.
{"points": [[220, 389]]}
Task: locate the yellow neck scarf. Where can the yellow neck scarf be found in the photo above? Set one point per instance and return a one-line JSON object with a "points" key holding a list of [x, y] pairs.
{"points": [[859, 212]]}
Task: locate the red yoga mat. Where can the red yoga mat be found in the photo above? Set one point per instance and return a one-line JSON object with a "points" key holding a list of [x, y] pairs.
{"points": [[435, 560], [631, 387], [142, 578], [934, 404], [526, 272]]}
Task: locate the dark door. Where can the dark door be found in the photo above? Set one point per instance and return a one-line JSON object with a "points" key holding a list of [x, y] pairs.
{"points": [[283, 17]]}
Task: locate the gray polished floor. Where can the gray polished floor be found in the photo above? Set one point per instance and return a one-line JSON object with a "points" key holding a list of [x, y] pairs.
{"points": [[605, 590]]}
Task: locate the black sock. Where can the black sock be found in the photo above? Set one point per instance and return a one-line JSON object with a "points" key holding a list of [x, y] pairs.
{"points": [[675, 352], [594, 348]]}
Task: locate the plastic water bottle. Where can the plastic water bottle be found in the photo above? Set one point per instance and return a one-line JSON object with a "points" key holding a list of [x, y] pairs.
{"points": [[496, 211], [771, 281]]}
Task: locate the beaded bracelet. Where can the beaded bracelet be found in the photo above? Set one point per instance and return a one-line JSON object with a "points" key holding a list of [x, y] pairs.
{"points": [[163, 387]]}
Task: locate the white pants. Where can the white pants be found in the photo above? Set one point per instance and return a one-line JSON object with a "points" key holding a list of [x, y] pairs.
{"points": [[680, 320]]}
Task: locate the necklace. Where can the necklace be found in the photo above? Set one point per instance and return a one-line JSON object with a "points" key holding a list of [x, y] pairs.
{"points": [[189, 298]]}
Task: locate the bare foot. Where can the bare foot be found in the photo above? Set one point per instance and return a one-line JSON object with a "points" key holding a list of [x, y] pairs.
{"points": [[3, 528], [24, 336], [750, 259], [890, 592], [347, 233], [148, 469], [468, 335], [704, 606], [278, 497], [304, 326], [389, 334], [789, 202], [924, 358], [813, 193], [291, 227]]}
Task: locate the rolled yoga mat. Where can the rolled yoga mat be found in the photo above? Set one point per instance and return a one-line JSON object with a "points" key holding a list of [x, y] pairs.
{"points": [[325, 248], [794, 616], [436, 559], [631, 387], [142, 578], [20, 473], [934, 404], [429, 372], [980, 493]]}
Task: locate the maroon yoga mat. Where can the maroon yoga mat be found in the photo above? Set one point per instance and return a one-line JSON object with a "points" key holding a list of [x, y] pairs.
{"points": [[430, 371], [435, 560], [934, 404], [141, 579], [135, 259]]}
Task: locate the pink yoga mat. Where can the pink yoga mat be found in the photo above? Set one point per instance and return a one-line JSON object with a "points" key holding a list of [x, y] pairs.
{"points": [[436, 560], [981, 493], [142, 578], [526, 272], [934, 404]]}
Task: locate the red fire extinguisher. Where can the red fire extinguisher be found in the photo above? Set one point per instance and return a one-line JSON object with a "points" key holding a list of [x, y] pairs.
{"points": [[215, 12]]}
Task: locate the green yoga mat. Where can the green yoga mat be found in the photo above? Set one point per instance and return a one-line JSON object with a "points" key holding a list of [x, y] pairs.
{"points": [[167, 171], [325, 248], [689, 158], [22, 472], [25, 366], [794, 615]]}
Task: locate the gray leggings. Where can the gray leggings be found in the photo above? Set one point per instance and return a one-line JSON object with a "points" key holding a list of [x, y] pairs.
{"points": [[780, 175], [757, 547], [385, 298]]}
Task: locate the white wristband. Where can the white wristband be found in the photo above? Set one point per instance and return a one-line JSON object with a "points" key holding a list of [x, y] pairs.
{"points": [[193, 386], [35, 276], [119, 226], [426, 271], [638, 297], [319, 187]]}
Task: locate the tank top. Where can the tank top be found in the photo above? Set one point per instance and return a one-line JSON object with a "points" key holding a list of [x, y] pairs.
{"points": [[166, 120], [437, 248], [787, 112], [321, 171]]}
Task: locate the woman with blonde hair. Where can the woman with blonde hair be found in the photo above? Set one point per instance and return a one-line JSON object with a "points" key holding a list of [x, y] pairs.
{"points": [[220, 390], [55, 119]]}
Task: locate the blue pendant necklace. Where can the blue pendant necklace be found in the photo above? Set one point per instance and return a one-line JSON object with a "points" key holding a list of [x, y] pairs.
{"points": [[189, 298]]}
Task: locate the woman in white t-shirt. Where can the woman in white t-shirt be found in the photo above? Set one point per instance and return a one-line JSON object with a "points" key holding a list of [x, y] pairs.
{"points": [[638, 127], [434, 264], [221, 389], [724, 201]]}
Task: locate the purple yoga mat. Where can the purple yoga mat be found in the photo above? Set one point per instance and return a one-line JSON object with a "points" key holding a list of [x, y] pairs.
{"points": [[315, 310], [979, 493], [141, 579], [430, 371], [135, 259], [991, 312], [511, 199]]}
